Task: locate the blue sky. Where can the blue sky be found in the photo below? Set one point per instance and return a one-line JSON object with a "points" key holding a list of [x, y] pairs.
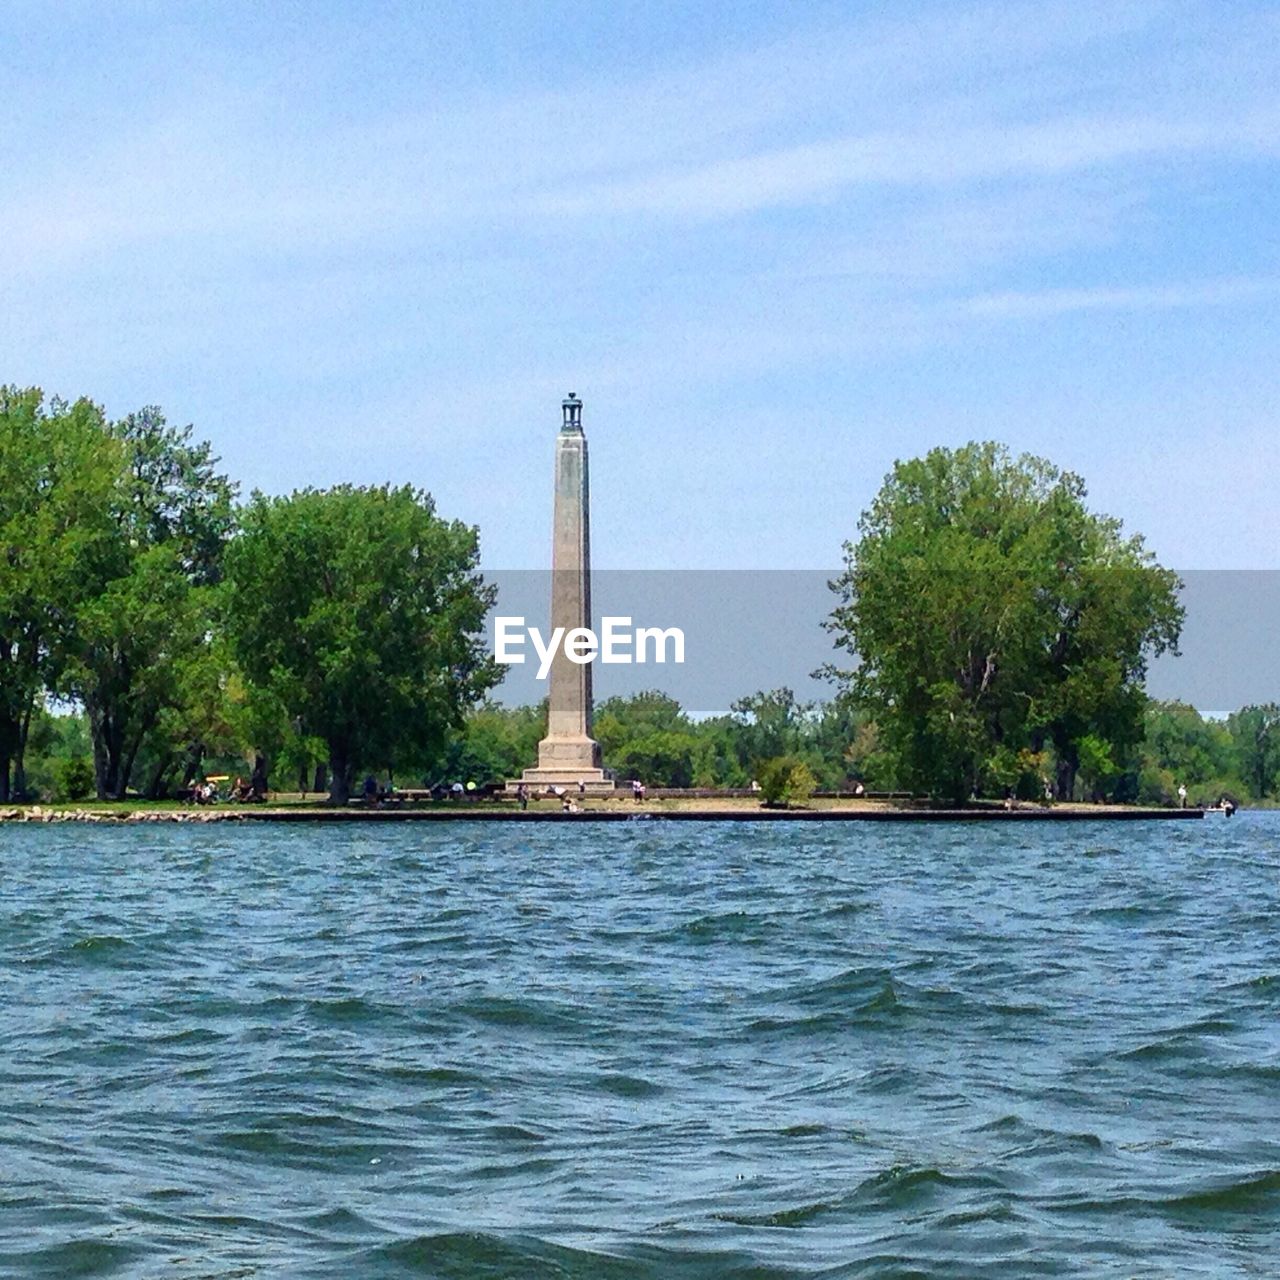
{"points": [[774, 247]]}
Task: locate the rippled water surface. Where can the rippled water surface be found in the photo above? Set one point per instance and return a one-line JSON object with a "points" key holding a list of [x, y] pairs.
{"points": [[657, 1049]]}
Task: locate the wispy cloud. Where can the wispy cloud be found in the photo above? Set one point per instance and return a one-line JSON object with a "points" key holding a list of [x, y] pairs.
{"points": [[820, 170], [1056, 302], [964, 95]]}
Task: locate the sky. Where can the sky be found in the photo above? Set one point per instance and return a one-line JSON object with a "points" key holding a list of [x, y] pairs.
{"points": [[774, 247]]}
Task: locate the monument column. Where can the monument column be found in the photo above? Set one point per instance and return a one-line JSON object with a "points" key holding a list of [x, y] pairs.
{"points": [[568, 754]]}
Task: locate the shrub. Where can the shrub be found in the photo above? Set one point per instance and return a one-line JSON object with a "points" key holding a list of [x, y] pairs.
{"points": [[74, 778], [785, 781]]}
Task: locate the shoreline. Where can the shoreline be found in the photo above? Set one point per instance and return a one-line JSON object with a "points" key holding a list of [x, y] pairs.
{"points": [[686, 813]]}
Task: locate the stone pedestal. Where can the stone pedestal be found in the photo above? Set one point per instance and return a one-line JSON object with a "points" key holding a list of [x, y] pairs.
{"points": [[568, 754]]}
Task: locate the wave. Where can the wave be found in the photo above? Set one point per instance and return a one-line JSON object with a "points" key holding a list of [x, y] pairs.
{"points": [[523, 1011], [85, 1258], [469, 1255], [852, 998], [895, 1188], [626, 1086], [726, 926], [1252, 1198], [99, 948], [1248, 1194]]}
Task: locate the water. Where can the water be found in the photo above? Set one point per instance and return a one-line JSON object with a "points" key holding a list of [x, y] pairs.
{"points": [[652, 1050]]}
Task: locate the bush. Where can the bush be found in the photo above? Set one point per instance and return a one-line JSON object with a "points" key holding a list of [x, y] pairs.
{"points": [[74, 778], [785, 781]]}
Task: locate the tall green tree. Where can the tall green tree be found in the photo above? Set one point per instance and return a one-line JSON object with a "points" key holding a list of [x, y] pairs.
{"points": [[1255, 733], [60, 479], [360, 612], [139, 640], [992, 614], [141, 643]]}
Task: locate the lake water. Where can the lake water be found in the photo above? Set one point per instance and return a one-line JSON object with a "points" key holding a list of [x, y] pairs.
{"points": [[651, 1050]]}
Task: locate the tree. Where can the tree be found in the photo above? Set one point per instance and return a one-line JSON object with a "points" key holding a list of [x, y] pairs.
{"points": [[771, 724], [1096, 762], [619, 720], [991, 612], [1255, 733], [786, 780], [60, 475], [139, 641], [1182, 748], [360, 613], [494, 743], [648, 736]]}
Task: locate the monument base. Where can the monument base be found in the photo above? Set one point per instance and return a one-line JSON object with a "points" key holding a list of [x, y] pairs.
{"points": [[594, 781], [566, 762]]}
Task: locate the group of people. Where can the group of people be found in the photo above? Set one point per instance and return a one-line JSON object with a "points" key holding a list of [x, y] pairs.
{"points": [[375, 792], [205, 792], [241, 792]]}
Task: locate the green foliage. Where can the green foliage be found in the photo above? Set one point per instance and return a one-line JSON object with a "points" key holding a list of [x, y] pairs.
{"points": [[114, 532], [991, 612], [786, 781], [1182, 748], [1255, 736], [74, 778], [771, 724], [175, 495], [359, 613], [648, 737], [60, 474], [1097, 764], [493, 744], [662, 758], [143, 641], [51, 741]]}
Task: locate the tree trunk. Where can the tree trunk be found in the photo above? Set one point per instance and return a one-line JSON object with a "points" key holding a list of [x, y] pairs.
{"points": [[339, 776], [1066, 781], [126, 770], [19, 788], [322, 777], [99, 759], [8, 744], [107, 750], [258, 781], [157, 788]]}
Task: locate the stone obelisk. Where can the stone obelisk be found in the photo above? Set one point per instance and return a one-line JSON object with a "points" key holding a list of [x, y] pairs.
{"points": [[568, 754]]}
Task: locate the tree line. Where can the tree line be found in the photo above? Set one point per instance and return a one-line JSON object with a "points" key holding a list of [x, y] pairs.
{"points": [[649, 736], [344, 626], [153, 627]]}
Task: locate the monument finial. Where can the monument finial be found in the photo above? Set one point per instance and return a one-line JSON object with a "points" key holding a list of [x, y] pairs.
{"points": [[572, 413]]}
